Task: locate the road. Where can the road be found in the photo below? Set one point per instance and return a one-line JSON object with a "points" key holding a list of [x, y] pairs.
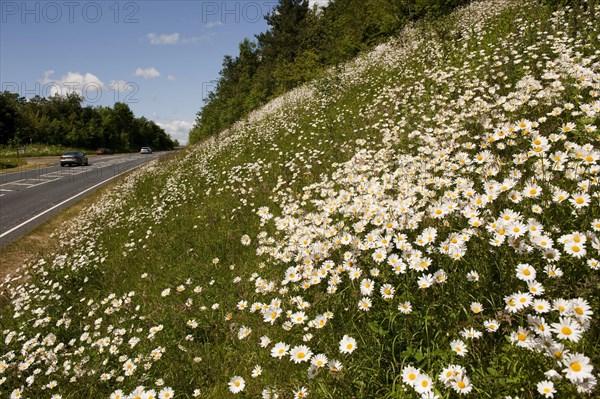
{"points": [[30, 197]]}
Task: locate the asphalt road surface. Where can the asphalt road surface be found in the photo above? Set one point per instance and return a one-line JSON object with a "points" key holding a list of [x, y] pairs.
{"points": [[30, 197]]}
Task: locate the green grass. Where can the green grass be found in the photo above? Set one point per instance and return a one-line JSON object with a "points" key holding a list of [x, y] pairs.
{"points": [[375, 130], [10, 163]]}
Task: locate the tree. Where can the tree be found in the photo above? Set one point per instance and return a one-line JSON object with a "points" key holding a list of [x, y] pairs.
{"points": [[10, 118], [64, 121]]}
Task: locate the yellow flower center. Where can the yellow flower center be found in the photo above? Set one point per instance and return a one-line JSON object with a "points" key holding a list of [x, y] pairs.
{"points": [[575, 366], [566, 330], [461, 384], [522, 337]]}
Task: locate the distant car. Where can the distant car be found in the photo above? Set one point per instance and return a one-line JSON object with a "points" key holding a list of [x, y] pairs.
{"points": [[146, 150], [103, 151], [73, 158]]}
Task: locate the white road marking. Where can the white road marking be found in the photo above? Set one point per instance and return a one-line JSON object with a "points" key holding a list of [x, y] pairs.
{"points": [[16, 183], [43, 182], [54, 174], [64, 202]]}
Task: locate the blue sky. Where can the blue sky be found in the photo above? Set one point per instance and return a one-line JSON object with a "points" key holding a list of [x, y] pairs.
{"points": [[161, 57]]}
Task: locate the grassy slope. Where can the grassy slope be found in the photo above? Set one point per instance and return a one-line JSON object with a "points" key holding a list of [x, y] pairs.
{"points": [[142, 275]]}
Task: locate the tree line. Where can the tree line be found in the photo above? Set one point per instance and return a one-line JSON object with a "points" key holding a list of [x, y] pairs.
{"points": [[300, 42], [62, 120]]}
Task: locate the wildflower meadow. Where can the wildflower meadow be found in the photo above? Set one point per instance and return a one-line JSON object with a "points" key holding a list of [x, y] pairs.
{"points": [[422, 222]]}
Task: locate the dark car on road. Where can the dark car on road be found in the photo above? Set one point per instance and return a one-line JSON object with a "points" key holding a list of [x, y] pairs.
{"points": [[73, 158], [103, 151]]}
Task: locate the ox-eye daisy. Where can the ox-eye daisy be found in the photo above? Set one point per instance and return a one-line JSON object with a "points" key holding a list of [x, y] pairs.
{"points": [[347, 344], [578, 367], [237, 384], [300, 354], [410, 374], [546, 388], [279, 350], [459, 347]]}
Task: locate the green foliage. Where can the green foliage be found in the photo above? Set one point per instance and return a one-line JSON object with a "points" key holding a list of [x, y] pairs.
{"points": [[63, 121], [9, 163], [300, 44]]}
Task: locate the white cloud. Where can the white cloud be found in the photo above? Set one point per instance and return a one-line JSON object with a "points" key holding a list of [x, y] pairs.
{"points": [[213, 24], [177, 129], [174, 38], [147, 73], [171, 77], [87, 85], [155, 39]]}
